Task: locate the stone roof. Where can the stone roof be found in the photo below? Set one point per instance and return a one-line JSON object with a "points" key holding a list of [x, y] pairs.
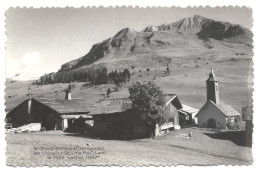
{"points": [[81, 106], [63, 106], [108, 106]]}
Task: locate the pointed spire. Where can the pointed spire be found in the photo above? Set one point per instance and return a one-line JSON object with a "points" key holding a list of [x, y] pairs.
{"points": [[212, 75], [212, 70]]}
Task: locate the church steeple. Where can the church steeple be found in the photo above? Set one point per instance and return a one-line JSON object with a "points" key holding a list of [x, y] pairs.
{"points": [[212, 88]]}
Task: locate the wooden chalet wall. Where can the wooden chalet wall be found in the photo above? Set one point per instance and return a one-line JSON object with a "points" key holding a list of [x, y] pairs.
{"points": [[121, 125], [49, 118], [19, 115], [35, 112]]}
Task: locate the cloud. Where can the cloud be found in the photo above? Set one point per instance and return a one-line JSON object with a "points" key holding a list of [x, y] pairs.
{"points": [[27, 67], [30, 59]]}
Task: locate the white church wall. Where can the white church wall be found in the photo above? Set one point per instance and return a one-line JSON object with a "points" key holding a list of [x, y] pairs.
{"points": [[211, 112]]}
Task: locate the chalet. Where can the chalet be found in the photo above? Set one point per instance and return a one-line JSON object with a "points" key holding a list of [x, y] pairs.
{"points": [[110, 118], [216, 113], [53, 114], [115, 118]]}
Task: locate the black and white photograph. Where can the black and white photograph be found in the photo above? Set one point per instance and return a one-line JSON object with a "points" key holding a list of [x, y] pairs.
{"points": [[129, 86]]}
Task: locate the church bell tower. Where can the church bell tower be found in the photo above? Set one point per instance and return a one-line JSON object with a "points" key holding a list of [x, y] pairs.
{"points": [[212, 88]]}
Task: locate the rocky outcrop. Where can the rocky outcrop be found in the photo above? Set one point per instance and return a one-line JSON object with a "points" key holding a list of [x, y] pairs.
{"points": [[127, 40], [202, 27]]}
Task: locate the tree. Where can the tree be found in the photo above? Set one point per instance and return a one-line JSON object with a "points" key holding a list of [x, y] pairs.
{"points": [[148, 102], [69, 87], [168, 71], [108, 92]]}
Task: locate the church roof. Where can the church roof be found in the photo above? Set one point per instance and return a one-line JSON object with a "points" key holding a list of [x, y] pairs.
{"points": [[212, 79], [226, 109], [212, 76]]}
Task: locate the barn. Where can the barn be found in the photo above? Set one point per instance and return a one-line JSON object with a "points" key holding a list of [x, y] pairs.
{"points": [[115, 118], [108, 118], [53, 114], [216, 113]]}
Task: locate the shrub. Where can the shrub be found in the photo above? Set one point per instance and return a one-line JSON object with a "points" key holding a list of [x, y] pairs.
{"points": [[168, 71], [108, 92]]}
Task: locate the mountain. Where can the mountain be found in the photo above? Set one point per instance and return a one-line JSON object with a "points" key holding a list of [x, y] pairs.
{"points": [[155, 46], [201, 26]]}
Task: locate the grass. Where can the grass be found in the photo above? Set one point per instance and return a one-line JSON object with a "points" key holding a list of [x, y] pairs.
{"points": [[169, 149], [234, 79]]}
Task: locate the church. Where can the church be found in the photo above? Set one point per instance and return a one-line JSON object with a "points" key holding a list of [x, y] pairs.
{"points": [[216, 113]]}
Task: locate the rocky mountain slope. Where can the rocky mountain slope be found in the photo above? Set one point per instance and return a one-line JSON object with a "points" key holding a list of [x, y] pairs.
{"points": [[194, 35]]}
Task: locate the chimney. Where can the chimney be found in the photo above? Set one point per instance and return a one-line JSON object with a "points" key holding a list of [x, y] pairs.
{"points": [[29, 105], [68, 95]]}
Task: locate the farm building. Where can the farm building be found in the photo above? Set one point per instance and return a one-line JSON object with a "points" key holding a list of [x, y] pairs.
{"points": [[53, 114], [216, 113], [187, 115], [115, 118], [111, 118]]}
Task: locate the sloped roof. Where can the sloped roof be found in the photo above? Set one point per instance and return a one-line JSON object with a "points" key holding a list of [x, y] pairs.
{"points": [[108, 106], [64, 106], [212, 76], [189, 109], [226, 109], [212, 79], [174, 100], [105, 106]]}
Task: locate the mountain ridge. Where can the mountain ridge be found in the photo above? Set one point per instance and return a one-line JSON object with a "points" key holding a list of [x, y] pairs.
{"points": [[125, 42]]}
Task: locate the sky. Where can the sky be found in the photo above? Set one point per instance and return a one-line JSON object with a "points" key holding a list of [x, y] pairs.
{"points": [[39, 41]]}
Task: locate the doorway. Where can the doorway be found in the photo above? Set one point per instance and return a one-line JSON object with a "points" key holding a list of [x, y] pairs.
{"points": [[211, 123]]}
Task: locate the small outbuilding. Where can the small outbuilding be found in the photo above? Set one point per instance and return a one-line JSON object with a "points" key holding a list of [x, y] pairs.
{"points": [[187, 115]]}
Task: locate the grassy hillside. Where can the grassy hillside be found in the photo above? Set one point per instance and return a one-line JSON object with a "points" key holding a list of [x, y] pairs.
{"points": [[187, 80]]}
